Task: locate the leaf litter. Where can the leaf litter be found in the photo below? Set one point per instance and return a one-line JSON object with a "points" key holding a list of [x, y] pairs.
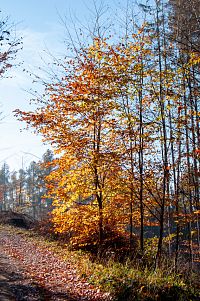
{"points": [[45, 267]]}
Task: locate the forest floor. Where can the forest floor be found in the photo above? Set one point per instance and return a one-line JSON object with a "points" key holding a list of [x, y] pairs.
{"points": [[30, 270], [34, 267]]}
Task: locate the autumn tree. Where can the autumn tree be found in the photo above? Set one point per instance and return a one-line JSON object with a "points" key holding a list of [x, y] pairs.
{"points": [[184, 21], [79, 114], [9, 44], [184, 25]]}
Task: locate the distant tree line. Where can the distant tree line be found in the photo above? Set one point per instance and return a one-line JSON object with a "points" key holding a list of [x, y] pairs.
{"points": [[24, 190]]}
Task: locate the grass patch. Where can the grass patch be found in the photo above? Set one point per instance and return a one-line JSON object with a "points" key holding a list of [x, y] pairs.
{"points": [[128, 282]]}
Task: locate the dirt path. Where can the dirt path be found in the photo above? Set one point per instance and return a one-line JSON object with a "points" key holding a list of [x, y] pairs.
{"points": [[6, 276], [32, 272], [14, 286]]}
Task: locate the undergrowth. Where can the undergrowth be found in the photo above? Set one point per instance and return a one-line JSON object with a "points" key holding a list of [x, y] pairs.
{"points": [[128, 281]]}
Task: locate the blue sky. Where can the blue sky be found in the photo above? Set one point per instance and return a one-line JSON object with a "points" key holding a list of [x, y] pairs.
{"points": [[39, 23]]}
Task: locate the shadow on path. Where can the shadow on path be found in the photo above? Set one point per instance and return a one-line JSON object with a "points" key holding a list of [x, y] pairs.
{"points": [[15, 287]]}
